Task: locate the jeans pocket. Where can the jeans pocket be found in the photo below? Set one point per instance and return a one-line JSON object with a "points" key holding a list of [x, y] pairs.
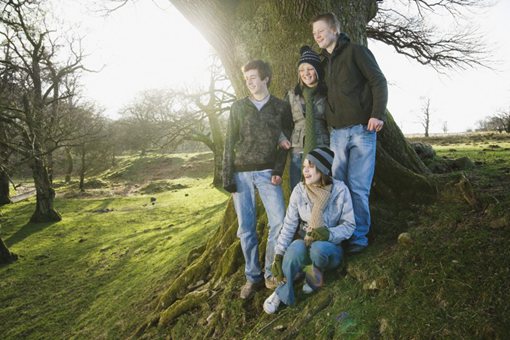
{"points": [[366, 130]]}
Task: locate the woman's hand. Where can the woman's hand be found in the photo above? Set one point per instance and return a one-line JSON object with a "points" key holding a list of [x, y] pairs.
{"points": [[320, 234], [276, 268], [317, 234]]}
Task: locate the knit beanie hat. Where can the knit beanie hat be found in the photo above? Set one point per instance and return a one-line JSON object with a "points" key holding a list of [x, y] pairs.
{"points": [[309, 56], [322, 157]]}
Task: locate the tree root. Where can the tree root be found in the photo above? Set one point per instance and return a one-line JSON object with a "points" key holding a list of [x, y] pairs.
{"points": [[189, 302], [51, 216], [466, 189]]}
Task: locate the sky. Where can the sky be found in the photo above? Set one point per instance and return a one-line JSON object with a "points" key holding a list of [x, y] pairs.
{"points": [[149, 45]]}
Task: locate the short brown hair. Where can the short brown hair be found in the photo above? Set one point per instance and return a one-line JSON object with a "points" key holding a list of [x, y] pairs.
{"points": [[329, 18], [262, 67]]}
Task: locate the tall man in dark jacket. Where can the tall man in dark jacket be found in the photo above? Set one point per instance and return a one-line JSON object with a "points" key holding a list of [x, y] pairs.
{"points": [[252, 160], [357, 97]]}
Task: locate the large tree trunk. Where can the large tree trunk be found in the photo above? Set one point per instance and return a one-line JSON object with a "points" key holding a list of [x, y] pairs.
{"points": [[45, 194], [5, 255], [241, 30], [218, 143], [49, 166], [4, 188], [218, 165]]}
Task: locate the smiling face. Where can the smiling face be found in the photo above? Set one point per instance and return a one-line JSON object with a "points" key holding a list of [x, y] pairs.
{"points": [[257, 86], [325, 35], [307, 74], [310, 173]]}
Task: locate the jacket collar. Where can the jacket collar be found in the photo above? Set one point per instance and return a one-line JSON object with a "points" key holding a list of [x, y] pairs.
{"points": [[247, 102], [342, 41]]}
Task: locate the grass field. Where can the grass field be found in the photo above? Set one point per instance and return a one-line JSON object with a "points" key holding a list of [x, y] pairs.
{"points": [[97, 273], [100, 272]]}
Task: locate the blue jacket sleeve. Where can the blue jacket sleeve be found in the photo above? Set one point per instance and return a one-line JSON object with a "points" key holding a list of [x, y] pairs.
{"points": [[344, 222], [290, 224]]}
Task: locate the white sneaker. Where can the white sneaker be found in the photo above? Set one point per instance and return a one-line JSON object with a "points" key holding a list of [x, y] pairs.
{"points": [[272, 303], [307, 289]]}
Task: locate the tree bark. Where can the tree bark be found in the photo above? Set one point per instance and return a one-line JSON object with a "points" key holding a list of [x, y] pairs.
{"points": [[44, 211], [49, 166], [4, 188], [82, 168], [5, 255], [69, 165], [218, 165]]}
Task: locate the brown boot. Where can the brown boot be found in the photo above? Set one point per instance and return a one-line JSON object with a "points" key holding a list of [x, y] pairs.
{"points": [[249, 288], [271, 283]]}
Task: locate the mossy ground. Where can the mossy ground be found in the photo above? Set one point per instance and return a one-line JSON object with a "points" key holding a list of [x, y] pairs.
{"points": [[449, 281], [101, 274], [98, 273]]}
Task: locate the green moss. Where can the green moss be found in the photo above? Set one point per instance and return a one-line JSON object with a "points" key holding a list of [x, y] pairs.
{"points": [[189, 302], [102, 274], [97, 274]]}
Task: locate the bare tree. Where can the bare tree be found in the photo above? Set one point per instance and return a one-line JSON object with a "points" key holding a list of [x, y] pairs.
{"points": [[445, 127], [203, 112], [92, 145], [403, 25], [425, 115], [148, 119], [33, 57], [499, 121], [161, 118]]}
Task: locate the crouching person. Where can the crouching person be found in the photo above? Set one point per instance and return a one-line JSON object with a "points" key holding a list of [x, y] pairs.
{"points": [[320, 210]]}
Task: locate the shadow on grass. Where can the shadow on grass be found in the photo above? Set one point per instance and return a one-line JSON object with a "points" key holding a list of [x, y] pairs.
{"points": [[26, 231]]}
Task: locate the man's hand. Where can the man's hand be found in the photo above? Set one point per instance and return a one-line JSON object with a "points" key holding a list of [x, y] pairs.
{"points": [[375, 124], [276, 180], [285, 144]]}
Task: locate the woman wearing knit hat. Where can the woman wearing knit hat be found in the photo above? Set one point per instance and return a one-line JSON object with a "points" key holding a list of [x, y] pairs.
{"points": [[308, 104], [320, 210]]}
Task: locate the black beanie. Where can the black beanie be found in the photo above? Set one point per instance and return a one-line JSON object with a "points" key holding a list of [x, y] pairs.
{"points": [[309, 56], [322, 157]]}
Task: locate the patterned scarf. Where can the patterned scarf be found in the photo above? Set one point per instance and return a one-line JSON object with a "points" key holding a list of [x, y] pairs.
{"points": [[319, 198], [310, 138]]}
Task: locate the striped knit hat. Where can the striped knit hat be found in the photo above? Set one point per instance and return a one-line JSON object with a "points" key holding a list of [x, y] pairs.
{"points": [[322, 158], [309, 56]]}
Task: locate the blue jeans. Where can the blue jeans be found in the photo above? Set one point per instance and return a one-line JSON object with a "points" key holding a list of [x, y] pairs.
{"points": [[322, 254], [244, 203], [354, 164], [296, 164]]}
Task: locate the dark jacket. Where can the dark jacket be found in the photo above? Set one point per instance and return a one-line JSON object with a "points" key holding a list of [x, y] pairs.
{"points": [[252, 138], [297, 105], [357, 89]]}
